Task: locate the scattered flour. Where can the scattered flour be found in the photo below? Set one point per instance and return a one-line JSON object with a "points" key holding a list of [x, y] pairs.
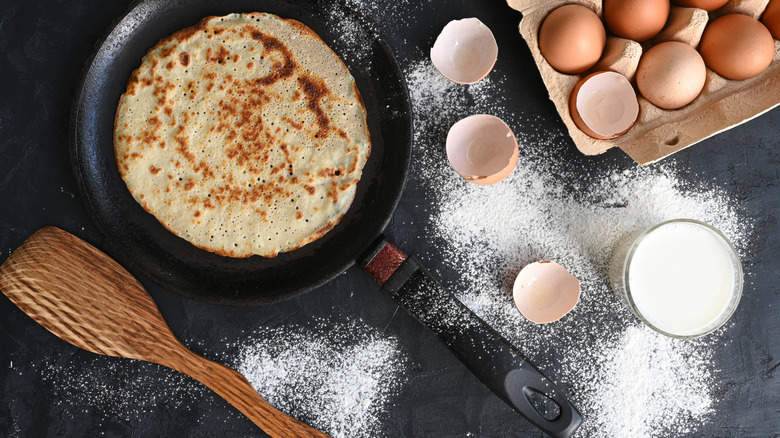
{"points": [[338, 379], [627, 385], [626, 379], [118, 388]]}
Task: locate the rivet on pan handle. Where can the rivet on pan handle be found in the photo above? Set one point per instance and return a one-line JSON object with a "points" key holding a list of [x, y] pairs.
{"points": [[496, 362]]}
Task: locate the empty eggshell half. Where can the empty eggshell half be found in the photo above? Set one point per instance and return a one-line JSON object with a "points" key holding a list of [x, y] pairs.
{"points": [[604, 105], [482, 149], [545, 291], [465, 51]]}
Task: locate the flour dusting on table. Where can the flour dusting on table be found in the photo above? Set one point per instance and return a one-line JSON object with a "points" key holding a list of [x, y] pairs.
{"points": [[117, 388], [626, 379], [338, 379]]}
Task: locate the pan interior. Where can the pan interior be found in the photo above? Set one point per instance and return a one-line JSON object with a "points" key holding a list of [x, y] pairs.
{"points": [[137, 240]]}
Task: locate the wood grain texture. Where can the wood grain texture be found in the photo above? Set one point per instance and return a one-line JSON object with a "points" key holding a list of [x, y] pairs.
{"points": [[86, 298]]}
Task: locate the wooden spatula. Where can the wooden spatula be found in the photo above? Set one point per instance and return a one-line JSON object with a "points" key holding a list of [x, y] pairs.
{"points": [[86, 298]]}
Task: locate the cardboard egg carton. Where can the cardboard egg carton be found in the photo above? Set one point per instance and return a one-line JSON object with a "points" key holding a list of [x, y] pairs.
{"points": [[659, 133]]}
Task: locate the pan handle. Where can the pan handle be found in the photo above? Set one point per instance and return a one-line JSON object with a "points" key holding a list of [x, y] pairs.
{"points": [[496, 362]]}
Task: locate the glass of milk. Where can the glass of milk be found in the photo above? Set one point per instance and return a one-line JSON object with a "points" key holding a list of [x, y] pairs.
{"points": [[683, 278]]}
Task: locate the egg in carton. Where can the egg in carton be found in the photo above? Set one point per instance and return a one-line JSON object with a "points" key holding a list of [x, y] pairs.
{"points": [[658, 132]]}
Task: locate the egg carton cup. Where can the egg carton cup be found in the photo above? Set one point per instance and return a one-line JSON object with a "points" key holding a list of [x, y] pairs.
{"points": [[658, 133]]}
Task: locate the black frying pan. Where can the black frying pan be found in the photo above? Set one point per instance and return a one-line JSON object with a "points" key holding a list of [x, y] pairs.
{"points": [[140, 241]]}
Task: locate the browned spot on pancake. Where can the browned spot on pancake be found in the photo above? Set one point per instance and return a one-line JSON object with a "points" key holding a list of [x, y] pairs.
{"points": [[170, 65], [333, 192], [136, 155], [236, 57], [296, 96], [271, 44], [189, 185], [309, 189], [154, 170], [166, 52], [170, 176], [197, 213], [292, 123], [353, 164], [243, 117], [250, 65], [204, 168], [184, 58], [219, 57], [161, 93], [315, 89], [132, 83], [168, 111], [142, 196], [298, 215], [162, 145], [184, 149]]}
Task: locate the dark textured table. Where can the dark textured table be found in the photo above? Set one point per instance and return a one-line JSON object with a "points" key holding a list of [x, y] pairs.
{"points": [[43, 47]]}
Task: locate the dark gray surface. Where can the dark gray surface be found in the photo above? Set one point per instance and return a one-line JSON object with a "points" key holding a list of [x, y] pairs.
{"points": [[43, 46]]}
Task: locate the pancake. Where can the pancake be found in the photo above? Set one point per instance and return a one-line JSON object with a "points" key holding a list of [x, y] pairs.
{"points": [[244, 134]]}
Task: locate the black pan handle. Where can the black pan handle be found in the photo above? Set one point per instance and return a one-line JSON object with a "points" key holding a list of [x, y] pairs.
{"points": [[496, 362]]}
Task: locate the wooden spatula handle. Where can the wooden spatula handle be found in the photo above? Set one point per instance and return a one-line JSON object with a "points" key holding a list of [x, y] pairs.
{"points": [[234, 388]]}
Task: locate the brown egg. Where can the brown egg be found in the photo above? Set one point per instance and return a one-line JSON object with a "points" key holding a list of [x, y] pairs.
{"points": [[572, 38], [707, 5], [671, 74], [736, 46], [771, 18], [637, 20]]}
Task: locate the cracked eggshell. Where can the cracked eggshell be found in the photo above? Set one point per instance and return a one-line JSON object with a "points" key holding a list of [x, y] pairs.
{"points": [[465, 51], [604, 105], [482, 149], [545, 291]]}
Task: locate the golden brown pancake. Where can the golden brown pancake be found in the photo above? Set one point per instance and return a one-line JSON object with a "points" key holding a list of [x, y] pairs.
{"points": [[243, 134]]}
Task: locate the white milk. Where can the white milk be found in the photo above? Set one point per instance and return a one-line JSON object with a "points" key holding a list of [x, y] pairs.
{"points": [[682, 278]]}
